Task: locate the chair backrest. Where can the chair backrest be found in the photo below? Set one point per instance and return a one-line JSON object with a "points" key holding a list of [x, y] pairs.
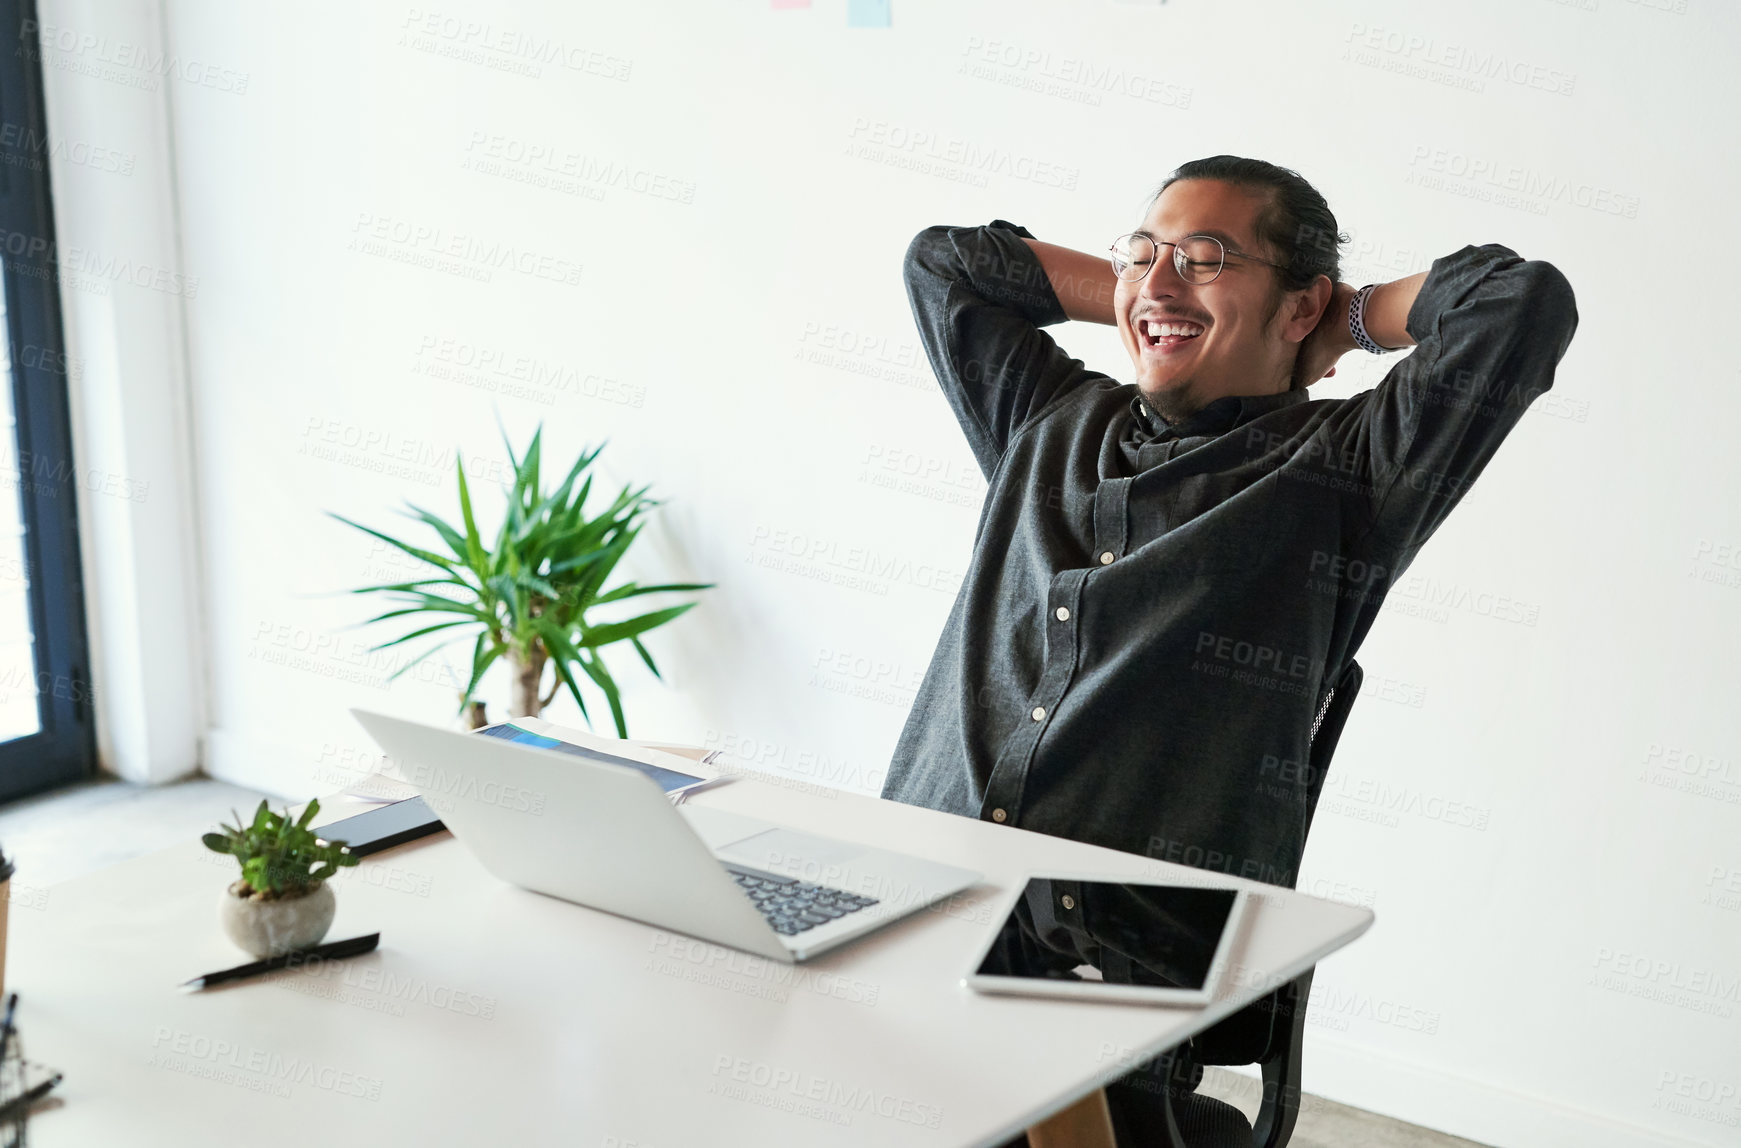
{"points": [[1327, 731], [1263, 1029]]}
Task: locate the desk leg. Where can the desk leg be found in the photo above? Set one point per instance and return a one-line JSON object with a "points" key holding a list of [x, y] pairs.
{"points": [[1085, 1124]]}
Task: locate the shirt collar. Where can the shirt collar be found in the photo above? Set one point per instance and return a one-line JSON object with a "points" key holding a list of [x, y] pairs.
{"points": [[1217, 416]]}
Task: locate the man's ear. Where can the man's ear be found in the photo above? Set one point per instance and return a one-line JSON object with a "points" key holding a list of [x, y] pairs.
{"points": [[1308, 308]]}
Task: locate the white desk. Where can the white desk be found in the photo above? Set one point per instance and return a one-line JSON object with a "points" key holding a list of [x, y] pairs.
{"points": [[491, 1015]]}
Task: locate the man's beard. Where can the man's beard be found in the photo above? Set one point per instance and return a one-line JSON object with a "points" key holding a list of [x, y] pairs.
{"points": [[1175, 403], [1181, 399]]}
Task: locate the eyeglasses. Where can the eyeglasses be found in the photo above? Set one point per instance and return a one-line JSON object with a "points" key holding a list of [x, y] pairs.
{"points": [[1197, 258]]}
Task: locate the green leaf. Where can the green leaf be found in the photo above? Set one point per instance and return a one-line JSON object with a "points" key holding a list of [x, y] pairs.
{"points": [[481, 660], [473, 544], [562, 655], [509, 593], [454, 539], [646, 657], [420, 633], [434, 602], [537, 584], [411, 587], [308, 813], [558, 499], [217, 842], [415, 551], [419, 658], [595, 669], [616, 631], [631, 590], [588, 574], [512, 459], [529, 464]]}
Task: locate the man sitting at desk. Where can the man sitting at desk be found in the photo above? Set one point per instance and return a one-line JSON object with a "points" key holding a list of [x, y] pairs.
{"points": [[1169, 575]]}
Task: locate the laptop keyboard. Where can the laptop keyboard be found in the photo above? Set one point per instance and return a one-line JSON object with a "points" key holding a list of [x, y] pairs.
{"points": [[792, 906]]}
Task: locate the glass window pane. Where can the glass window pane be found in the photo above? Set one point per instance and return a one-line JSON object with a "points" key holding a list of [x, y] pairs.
{"points": [[19, 715]]}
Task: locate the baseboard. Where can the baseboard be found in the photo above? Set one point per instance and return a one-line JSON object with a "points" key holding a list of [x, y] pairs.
{"points": [[1461, 1106]]}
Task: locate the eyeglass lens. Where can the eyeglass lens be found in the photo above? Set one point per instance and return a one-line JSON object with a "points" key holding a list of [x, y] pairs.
{"points": [[1133, 254]]}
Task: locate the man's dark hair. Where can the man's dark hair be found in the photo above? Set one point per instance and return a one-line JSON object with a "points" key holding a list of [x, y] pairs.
{"points": [[1296, 225]]}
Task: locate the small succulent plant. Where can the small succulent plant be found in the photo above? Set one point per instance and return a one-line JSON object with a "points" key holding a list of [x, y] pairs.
{"points": [[279, 857]]}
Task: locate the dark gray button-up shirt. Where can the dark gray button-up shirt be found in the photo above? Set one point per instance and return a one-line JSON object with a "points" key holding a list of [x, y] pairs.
{"points": [[1153, 613]]}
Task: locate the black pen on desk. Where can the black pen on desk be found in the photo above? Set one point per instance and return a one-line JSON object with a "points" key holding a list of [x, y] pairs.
{"points": [[333, 950]]}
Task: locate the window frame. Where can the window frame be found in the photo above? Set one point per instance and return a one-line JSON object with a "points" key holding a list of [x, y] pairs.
{"points": [[63, 750]]}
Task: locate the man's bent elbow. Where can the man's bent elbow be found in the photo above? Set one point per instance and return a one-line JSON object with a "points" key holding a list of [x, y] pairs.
{"points": [[1551, 307]]}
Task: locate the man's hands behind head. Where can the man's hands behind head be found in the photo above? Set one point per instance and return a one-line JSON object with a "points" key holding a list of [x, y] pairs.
{"points": [[1328, 341]]}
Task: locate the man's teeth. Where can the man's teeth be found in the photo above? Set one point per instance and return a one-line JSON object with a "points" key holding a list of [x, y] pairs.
{"points": [[1156, 330]]}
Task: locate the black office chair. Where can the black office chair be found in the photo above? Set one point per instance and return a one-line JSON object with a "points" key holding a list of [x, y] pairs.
{"points": [[1160, 1105]]}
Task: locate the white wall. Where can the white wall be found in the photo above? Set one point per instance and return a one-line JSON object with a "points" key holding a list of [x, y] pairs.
{"points": [[1539, 791]]}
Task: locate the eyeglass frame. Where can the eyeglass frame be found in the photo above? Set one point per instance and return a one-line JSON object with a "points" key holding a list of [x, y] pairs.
{"points": [[1174, 244]]}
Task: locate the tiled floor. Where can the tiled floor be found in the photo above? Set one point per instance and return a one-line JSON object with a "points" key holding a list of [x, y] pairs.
{"points": [[98, 823]]}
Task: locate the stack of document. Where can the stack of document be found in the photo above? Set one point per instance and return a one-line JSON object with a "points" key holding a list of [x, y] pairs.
{"points": [[679, 769]]}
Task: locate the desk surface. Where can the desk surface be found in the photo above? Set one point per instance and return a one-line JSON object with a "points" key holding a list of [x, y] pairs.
{"points": [[494, 1015]]}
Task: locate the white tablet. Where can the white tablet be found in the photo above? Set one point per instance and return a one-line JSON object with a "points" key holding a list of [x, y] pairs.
{"points": [[1114, 940]]}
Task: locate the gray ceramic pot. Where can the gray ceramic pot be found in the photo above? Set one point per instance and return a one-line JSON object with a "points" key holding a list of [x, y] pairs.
{"points": [[269, 928]]}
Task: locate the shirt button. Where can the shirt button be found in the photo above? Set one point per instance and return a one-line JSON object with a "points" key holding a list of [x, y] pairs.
{"points": [[1068, 901], [999, 815], [1063, 614], [1039, 713], [1106, 558]]}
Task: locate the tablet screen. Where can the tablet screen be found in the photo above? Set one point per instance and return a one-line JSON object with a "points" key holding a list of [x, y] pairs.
{"points": [[1136, 934]]}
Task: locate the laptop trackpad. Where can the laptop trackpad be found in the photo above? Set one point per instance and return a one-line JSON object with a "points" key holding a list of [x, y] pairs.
{"points": [[780, 848]]}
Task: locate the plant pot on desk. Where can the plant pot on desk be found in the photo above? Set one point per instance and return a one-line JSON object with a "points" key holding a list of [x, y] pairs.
{"points": [[282, 901], [272, 926]]}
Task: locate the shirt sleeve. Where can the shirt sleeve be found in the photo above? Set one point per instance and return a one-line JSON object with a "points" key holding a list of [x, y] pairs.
{"points": [[980, 296], [1490, 328]]}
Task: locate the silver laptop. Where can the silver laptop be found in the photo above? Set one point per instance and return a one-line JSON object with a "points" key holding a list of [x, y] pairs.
{"points": [[607, 836]]}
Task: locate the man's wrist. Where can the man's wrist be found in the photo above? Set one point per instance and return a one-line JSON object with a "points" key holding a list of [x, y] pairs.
{"points": [[1359, 313], [1387, 311]]}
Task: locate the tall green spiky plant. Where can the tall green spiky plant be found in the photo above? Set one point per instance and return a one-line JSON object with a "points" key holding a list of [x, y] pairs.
{"points": [[528, 595]]}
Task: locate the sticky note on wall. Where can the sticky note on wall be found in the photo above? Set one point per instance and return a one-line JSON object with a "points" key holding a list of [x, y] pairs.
{"points": [[867, 13]]}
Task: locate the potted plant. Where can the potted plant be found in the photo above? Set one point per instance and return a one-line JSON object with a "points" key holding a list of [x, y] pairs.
{"points": [[528, 594], [282, 901]]}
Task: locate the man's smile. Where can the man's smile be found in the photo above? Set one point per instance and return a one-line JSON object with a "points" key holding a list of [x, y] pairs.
{"points": [[1167, 335]]}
